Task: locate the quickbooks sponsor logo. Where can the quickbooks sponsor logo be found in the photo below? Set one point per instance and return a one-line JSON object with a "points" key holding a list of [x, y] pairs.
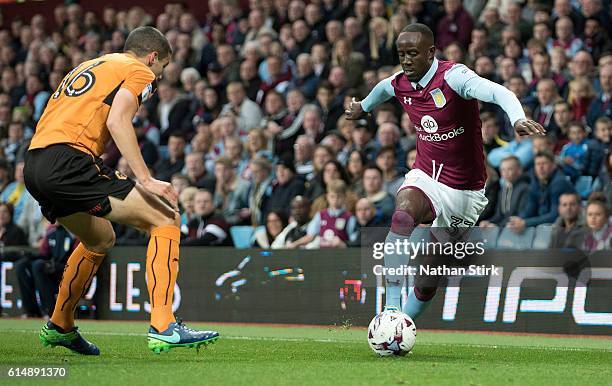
{"points": [[442, 137]]}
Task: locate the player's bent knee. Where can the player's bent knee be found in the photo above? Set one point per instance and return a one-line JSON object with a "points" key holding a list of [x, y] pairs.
{"points": [[402, 223], [161, 219], [103, 244], [415, 203]]}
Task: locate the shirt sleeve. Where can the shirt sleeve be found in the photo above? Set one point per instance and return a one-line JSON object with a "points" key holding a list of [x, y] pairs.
{"points": [[468, 85], [382, 92], [139, 81], [314, 226]]}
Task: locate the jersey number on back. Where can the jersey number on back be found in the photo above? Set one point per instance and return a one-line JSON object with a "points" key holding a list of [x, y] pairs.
{"points": [[73, 87]]}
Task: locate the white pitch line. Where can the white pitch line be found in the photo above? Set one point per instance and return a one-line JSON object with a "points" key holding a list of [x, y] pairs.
{"points": [[274, 339]]}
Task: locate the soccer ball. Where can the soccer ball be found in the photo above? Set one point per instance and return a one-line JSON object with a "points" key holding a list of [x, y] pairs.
{"points": [[391, 333]]}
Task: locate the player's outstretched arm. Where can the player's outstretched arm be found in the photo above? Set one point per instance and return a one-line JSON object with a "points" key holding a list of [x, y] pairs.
{"points": [[468, 84], [119, 123], [382, 92]]}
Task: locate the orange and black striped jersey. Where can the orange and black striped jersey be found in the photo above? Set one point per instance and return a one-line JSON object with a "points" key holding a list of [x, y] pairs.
{"points": [[77, 112]]}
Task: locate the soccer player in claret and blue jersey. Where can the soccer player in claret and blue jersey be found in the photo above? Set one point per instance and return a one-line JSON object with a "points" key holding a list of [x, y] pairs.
{"points": [[446, 185]]}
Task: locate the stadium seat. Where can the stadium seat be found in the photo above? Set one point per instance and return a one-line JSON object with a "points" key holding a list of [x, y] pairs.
{"points": [[543, 233], [242, 235], [486, 235], [584, 186], [510, 240]]}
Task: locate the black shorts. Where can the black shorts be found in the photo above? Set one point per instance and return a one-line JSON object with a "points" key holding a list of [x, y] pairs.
{"points": [[65, 181]]}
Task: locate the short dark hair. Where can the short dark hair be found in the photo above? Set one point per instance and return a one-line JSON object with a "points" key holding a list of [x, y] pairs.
{"points": [[512, 158], [545, 154], [422, 29], [575, 194], [387, 149], [373, 167], [144, 40]]}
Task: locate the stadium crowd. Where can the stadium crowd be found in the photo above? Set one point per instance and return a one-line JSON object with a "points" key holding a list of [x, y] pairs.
{"points": [[247, 123]]}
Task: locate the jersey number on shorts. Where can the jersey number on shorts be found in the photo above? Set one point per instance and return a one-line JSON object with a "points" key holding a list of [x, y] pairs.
{"points": [[456, 222], [68, 85]]}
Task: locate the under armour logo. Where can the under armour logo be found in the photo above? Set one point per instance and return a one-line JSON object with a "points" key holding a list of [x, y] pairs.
{"points": [[408, 101]]}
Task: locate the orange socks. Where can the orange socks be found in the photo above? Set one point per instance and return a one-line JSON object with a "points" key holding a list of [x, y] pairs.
{"points": [[162, 269], [78, 274]]}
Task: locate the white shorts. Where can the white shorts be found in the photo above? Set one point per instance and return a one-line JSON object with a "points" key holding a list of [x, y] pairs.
{"points": [[452, 207]]}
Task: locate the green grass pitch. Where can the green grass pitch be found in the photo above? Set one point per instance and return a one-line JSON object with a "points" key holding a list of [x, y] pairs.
{"points": [[267, 355]]}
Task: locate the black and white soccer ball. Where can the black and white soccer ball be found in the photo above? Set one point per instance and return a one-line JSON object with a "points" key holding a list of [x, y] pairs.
{"points": [[391, 333]]}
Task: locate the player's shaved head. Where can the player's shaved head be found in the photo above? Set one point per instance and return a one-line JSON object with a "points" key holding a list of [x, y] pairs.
{"points": [[144, 40], [422, 29]]}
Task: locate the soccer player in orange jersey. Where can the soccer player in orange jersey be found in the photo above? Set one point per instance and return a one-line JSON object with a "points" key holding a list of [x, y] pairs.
{"points": [[63, 171]]}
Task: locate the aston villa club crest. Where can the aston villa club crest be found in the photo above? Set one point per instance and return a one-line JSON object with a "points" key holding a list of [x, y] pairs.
{"points": [[438, 97]]}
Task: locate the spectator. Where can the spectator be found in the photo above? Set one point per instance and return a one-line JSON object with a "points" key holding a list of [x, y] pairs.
{"points": [[382, 45], [455, 25], [563, 118], [233, 149], [490, 133], [386, 160], [353, 32], [601, 106], [206, 106], [260, 189], [186, 197], [574, 154], [43, 272], [564, 30], [521, 147], [569, 231], [195, 171], [513, 193], [388, 134], [411, 157], [300, 209], [17, 195], [334, 226], [10, 234], [598, 146], [286, 186], [248, 114], [277, 78], [206, 228], [15, 144], [226, 59], [365, 214], [544, 192], [336, 141], [581, 66], [330, 110], [250, 78], [304, 150], [542, 71], [332, 170], [305, 78], [599, 236], [36, 96], [276, 221], [4, 174], [547, 96], [356, 164], [580, 95], [231, 192], [353, 62], [171, 112], [595, 38], [373, 189]]}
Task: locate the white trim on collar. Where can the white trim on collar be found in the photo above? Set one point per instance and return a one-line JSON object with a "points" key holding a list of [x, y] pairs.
{"points": [[428, 75]]}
